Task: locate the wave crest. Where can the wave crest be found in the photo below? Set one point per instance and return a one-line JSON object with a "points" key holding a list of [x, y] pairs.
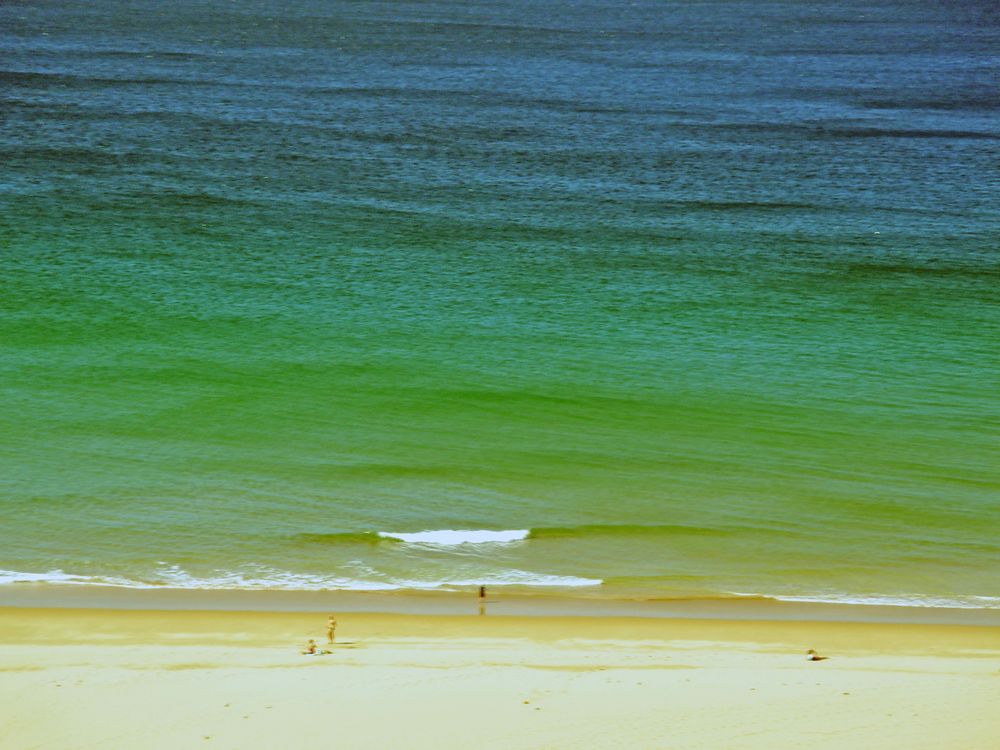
{"points": [[454, 537], [450, 537]]}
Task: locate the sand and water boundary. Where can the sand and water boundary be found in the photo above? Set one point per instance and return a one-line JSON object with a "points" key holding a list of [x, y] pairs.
{"points": [[206, 669]]}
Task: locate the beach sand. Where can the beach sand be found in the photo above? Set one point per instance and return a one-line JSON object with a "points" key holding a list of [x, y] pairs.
{"points": [[79, 678]]}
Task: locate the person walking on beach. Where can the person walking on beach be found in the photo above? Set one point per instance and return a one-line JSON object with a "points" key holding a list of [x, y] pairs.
{"points": [[331, 629]]}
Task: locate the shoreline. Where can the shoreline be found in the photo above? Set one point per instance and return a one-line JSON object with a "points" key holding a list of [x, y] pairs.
{"points": [[499, 603]]}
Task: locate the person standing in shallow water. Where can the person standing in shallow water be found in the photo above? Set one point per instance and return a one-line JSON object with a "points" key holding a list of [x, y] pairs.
{"points": [[331, 629]]}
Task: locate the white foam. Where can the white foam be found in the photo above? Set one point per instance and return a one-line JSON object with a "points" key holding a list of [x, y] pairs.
{"points": [[261, 577], [912, 600], [451, 537], [507, 578], [58, 576]]}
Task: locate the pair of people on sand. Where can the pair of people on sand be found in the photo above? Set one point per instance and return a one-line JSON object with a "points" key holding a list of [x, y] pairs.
{"points": [[312, 649]]}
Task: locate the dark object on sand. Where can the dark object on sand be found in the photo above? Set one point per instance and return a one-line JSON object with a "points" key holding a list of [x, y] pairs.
{"points": [[813, 656]]}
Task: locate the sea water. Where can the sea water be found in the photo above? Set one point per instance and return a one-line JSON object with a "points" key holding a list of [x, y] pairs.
{"points": [[652, 299]]}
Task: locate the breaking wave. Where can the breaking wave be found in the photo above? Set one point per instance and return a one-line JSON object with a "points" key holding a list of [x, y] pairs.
{"points": [[450, 537], [261, 577], [453, 537]]}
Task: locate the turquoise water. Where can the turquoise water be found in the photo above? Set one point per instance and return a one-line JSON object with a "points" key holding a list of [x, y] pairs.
{"points": [[691, 298]]}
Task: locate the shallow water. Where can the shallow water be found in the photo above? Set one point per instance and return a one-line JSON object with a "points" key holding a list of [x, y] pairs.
{"points": [[704, 296]]}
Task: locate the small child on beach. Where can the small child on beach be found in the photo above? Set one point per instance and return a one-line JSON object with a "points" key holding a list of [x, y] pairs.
{"points": [[312, 649]]}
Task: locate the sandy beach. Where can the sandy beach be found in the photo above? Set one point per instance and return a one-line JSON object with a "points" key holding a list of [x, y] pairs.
{"points": [[77, 678]]}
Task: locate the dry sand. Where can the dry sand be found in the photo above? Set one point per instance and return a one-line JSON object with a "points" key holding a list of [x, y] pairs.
{"points": [[176, 679]]}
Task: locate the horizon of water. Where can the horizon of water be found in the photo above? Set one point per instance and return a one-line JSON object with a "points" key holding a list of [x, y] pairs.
{"points": [[688, 299]]}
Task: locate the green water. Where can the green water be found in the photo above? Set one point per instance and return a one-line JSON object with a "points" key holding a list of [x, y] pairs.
{"points": [[709, 309]]}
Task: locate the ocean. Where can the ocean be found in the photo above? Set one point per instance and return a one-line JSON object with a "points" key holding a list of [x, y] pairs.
{"points": [[671, 299]]}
